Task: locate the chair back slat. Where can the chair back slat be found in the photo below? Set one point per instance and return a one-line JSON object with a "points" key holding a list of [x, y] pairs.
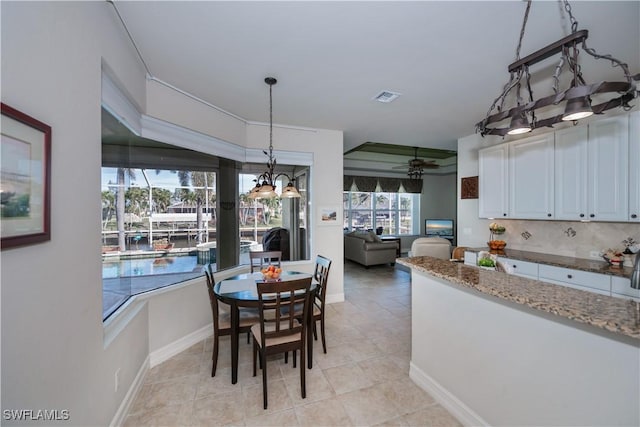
{"points": [[280, 304], [211, 281], [261, 259], [321, 275]]}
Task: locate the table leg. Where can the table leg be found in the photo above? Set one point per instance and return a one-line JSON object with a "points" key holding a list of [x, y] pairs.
{"points": [[235, 332]]}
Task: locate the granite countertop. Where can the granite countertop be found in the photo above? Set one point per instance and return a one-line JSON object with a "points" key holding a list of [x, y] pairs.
{"points": [[618, 315], [592, 265]]}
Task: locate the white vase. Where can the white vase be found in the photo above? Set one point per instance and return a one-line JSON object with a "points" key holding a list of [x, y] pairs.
{"points": [[629, 259]]}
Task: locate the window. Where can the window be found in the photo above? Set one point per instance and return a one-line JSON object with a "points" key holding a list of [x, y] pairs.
{"points": [[159, 215], [386, 213], [155, 225]]}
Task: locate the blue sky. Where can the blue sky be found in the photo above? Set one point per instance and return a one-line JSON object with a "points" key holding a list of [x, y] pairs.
{"points": [[165, 179]]}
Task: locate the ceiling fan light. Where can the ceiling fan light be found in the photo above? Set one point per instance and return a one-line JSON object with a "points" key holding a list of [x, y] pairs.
{"points": [[577, 108], [519, 125]]}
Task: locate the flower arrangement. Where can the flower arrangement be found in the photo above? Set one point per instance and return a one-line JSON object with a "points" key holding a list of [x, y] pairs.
{"points": [[630, 246]]}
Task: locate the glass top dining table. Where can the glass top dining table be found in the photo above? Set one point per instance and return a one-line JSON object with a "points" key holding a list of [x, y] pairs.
{"points": [[241, 291]]}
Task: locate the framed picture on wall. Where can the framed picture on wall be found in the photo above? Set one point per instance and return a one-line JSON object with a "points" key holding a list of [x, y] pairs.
{"points": [[25, 179], [329, 215]]}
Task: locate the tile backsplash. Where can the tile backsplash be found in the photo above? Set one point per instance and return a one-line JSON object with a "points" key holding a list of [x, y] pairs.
{"points": [[574, 239]]}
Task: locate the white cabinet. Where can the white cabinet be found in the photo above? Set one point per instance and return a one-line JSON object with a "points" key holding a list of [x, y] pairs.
{"points": [[571, 174], [592, 171], [493, 177], [634, 167], [609, 169], [585, 280], [621, 287], [521, 268], [531, 172]]}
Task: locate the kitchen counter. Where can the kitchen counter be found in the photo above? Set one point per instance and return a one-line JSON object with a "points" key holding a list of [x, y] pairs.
{"points": [[591, 265], [499, 349], [618, 315]]}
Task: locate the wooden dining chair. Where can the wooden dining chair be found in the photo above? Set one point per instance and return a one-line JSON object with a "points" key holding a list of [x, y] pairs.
{"points": [[222, 318], [261, 259], [279, 330], [320, 275]]}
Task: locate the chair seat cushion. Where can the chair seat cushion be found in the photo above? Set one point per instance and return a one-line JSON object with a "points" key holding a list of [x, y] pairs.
{"points": [[270, 342]]}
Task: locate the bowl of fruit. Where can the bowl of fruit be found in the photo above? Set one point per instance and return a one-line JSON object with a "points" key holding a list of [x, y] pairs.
{"points": [[496, 245], [271, 273]]}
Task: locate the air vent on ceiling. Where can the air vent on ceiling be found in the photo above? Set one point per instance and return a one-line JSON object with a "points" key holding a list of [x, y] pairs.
{"points": [[386, 96]]}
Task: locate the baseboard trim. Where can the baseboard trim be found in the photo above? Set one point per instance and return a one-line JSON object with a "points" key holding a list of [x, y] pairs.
{"points": [[444, 397], [125, 405], [330, 299], [170, 350]]}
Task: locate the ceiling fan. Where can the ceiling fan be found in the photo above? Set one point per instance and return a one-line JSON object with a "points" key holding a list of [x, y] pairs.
{"points": [[415, 166]]}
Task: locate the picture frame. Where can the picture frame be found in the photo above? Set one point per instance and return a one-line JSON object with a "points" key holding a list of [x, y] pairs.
{"points": [[329, 215], [469, 188], [25, 179]]}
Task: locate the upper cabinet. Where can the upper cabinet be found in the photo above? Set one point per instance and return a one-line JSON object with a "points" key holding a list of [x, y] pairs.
{"points": [[571, 154], [609, 169], [634, 167], [581, 173], [531, 178], [493, 181]]}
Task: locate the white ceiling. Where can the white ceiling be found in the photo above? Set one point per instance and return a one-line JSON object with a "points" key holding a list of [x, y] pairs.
{"points": [[448, 59]]}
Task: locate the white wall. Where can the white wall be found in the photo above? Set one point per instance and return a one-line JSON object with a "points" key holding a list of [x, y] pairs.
{"points": [[53, 354], [438, 198], [552, 237]]}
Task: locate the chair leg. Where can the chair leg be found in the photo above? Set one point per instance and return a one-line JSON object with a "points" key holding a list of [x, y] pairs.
{"points": [[214, 357], [294, 358], [286, 357], [303, 385], [315, 331], [264, 377], [255, 351], [248, 336], [324, 343]]}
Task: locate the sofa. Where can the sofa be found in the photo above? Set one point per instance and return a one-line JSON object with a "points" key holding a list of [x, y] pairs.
{"points": [[368, 249], [436, 247]]}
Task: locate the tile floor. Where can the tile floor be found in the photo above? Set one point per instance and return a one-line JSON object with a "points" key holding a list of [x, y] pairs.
{"points": [[363, 380]]}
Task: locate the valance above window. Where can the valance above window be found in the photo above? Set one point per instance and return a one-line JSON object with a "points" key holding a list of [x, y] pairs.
{"points": [[368, 184]]}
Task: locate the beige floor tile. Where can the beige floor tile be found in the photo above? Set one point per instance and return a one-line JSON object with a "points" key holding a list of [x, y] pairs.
{"points": [[286, 418], [346, 378], [363, 380], [318, 388], [277, 395], [327, 412], [368, 406], [168, 415], [433, 416], [405, 395], [380, 369], [223, 409]]}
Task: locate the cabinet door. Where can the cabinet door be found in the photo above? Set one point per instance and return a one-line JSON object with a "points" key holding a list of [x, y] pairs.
{"points": [[634, 167], [571, 153], [531, 173], [609, 169], [493, 183]]}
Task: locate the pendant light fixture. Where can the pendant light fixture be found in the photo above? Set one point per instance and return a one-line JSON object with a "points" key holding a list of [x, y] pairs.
{"points": [[266, 182], [524, 116]]}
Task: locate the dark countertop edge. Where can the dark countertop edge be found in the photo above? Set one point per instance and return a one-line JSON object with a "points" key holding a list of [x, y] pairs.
{"points": [[590, 265], [537, 301]]}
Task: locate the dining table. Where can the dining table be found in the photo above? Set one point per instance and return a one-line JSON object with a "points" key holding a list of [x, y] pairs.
{"points": [[241, 291]]}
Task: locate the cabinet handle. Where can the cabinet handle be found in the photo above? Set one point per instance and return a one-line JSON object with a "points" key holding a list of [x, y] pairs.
{"points": [[592, 215], [504, 214], [581, 215], [515, 266], [634, 216], [569, 276], [549, 215]]}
